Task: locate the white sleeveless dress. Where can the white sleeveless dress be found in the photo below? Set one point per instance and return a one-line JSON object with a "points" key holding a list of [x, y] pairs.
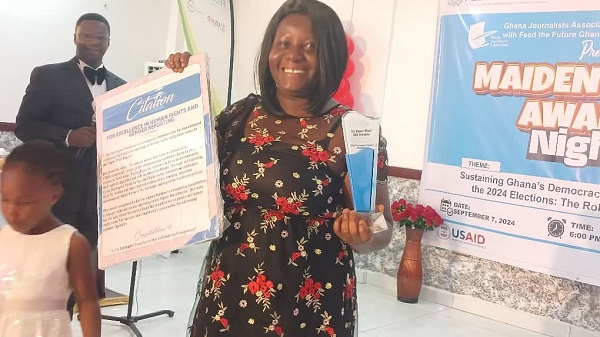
{"points": [[34, 283]]}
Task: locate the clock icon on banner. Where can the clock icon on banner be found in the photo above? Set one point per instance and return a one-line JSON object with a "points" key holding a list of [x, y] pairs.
{"points": [[556, 227]]}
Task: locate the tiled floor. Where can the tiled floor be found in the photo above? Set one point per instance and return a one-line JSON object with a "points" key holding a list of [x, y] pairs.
{"points": [[170, 283]]}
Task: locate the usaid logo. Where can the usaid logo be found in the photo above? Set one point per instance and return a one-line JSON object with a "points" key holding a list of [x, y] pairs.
{"points": [[446, 232], [466, 236]]}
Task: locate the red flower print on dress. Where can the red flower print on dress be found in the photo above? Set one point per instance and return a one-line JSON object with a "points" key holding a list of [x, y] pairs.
{"points": [[216, 279], [338, 112], [380, 161], [335, 113], [257, 116], [314, 224], [322, 220], [237, 207], [342, 254], [261, 287], [310, 291], [262, 167], [325, 328], [298, 254], [349, 287], [237, 189], [321, 184], [305, 127], [219, 317], [260, 138], [274, 326], [249, 244], [316, 154], [285, 206]]}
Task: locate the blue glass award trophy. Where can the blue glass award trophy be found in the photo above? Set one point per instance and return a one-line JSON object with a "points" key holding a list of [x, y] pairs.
{"points": [[361, 136]]}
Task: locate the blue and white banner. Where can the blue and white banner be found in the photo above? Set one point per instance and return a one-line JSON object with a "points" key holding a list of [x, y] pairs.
{"points": [[513, 150], [157, 177]]}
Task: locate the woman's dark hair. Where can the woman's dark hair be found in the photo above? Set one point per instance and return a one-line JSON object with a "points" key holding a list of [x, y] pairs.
{"points": [[41, 157], [330, 46]]}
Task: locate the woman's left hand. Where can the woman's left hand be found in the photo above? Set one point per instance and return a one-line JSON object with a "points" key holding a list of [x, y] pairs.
{"points": [[354, 228]]}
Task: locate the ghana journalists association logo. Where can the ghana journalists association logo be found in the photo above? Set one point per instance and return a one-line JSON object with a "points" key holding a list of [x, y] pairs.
{"points": [[477, 35]]}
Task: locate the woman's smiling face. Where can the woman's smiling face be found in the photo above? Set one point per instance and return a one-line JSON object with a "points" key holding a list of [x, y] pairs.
{"points": [[292, 60]]}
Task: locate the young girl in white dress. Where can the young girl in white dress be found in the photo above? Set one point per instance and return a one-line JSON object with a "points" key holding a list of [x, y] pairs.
{"points": [[41, 259]]}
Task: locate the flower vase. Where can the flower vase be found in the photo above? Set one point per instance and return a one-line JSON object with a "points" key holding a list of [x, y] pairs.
{"points": [[410, 269]]}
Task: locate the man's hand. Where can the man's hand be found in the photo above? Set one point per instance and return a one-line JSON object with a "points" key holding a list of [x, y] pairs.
{"points": [[83, 137], [178, 61]]}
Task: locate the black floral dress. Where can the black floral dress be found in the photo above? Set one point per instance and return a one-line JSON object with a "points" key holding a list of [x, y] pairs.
{"points": [[279, 269]]}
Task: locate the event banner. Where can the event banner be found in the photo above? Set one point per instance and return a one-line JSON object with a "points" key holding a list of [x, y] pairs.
{"points": [[513, 149], [207, 28], [158, 174]]}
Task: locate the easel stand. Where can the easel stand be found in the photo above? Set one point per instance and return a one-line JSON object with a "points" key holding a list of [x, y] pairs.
{"points": [[131, 320]]}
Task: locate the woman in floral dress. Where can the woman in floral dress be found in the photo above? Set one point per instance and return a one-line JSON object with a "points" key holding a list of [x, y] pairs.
{"points": [[284, 266]]}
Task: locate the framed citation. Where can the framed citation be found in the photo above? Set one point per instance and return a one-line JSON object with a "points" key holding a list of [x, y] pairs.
{"points": [[158, 170]]}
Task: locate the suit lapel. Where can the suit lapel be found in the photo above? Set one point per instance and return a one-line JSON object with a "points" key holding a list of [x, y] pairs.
{"points": [[81, 85], [111, 81]]}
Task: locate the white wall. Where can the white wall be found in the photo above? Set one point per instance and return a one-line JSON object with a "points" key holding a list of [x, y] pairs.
{"points": [[394, 56], [408, 84], [36, 32], [394, 52]]}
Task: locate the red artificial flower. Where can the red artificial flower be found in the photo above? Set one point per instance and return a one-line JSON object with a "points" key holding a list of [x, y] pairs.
{"points": [[415, 216]]}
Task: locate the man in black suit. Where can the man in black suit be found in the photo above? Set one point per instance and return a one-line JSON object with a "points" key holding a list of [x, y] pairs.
{"points": [[58, 107]]}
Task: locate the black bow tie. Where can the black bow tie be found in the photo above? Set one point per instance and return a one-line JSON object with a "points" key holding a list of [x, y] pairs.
{"points": [[98, 75]]}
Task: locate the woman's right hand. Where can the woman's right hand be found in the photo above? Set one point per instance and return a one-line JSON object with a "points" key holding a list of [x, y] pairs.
{"points": [[178, 61]]}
